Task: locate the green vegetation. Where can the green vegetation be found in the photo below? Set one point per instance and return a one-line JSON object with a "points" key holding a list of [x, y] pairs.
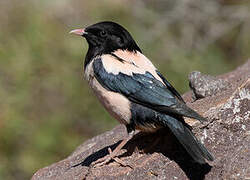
{"points": [[47, 110]]}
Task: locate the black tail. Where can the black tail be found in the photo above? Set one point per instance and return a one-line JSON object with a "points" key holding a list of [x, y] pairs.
{"points": [[188, 112], [192, 145]]}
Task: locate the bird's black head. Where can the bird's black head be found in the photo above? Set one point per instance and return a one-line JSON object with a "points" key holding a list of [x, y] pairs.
{"points": [[105, 38]]}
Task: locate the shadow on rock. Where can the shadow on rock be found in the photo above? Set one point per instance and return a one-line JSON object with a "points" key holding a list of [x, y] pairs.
{"points": [[162, 141]]}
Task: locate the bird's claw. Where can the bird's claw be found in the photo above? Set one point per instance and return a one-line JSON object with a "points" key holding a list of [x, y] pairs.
{"points": [[107, 159]]}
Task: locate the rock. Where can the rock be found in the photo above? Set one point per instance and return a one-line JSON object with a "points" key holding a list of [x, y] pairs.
{"points": [[226, 135], [205, 85]]}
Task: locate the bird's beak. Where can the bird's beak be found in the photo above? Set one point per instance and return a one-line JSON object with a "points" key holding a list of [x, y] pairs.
{"points": [[79, 32]]}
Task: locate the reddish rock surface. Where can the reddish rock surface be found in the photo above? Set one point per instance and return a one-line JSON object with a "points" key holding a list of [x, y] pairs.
{"points": [[226, 135]]}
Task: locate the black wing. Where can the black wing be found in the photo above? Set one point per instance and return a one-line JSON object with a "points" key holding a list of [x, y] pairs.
{"points": [[170, 87], [143, 89]]}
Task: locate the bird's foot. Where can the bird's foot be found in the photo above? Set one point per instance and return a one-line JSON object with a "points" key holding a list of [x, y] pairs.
{"points": [[106, 159], [113, 155]]}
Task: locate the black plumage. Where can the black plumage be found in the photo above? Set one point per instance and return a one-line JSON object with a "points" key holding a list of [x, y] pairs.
{"points": [[111, 36], [147, 117]]}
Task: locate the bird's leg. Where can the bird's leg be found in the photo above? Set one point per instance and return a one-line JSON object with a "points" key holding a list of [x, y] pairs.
{"points": [[113, 154]]}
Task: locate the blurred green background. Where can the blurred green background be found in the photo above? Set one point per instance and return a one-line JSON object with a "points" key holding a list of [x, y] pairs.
{"points": [[47, 110]]}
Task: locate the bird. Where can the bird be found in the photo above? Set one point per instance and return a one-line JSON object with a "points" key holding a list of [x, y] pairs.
{"points": [[134, 91]]}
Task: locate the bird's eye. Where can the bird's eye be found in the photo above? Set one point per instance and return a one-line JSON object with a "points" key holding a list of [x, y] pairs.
{"points": [[103, 33]]}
